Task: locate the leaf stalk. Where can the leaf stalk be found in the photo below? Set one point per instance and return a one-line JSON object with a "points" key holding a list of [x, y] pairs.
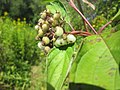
{"points": [[71, 3]]}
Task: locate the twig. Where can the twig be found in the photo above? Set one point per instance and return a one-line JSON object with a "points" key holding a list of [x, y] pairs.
{"points": [[81, 33], [103, 27], [73, 5], [80, 8]]}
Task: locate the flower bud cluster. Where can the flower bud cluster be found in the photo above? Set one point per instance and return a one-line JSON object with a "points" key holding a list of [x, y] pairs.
{"points": [[50, 31]]}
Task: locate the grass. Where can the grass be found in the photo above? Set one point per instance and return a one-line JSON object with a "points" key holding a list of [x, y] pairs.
{"points": [[21, 64]]}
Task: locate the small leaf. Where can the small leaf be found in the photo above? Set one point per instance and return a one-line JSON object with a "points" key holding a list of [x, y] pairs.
{"points": [[59, 63]]}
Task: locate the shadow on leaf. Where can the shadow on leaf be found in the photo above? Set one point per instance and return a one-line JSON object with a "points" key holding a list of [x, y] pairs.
{"points": [[50, 87], [77, 86], [119, 69], [66, 46]]}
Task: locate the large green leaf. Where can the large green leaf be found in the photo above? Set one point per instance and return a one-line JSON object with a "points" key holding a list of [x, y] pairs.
{"points": [[97, 62], [113, 42], [59, 63]]}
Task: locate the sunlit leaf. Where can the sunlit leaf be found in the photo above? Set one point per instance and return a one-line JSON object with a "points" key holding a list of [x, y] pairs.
{"points": [[97, 62], [59, 63]]}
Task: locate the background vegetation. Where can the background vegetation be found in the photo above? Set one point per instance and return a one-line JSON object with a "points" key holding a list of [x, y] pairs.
{"points": [[18, 53], [30, 9]]}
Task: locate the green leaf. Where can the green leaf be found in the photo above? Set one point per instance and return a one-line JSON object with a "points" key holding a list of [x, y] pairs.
{"points": [[59, 63], [113, 42], [97, 62], [58, 6]]}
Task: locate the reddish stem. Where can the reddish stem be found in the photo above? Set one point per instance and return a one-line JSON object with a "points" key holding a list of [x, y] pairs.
{"points": [[73, 5], [103, 27], [80, 7], [81, 33], [84, 35]]}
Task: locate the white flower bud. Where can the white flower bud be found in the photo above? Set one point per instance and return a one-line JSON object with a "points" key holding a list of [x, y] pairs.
{"points": [[60, 42], [59, 31], [56, 15], [36, 27], [43, 15], [71, 38], [47, 49], [45, 27], [40, 32], [46, 40], [40, 45]]}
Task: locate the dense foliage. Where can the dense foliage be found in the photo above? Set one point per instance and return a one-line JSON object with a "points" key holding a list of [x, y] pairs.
{"points": [[31, 8], [18, 52], [28, 9], [108, 8]]}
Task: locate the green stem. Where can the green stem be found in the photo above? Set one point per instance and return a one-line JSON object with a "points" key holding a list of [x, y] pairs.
{"points": [[81, 33], [71, 26]]}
